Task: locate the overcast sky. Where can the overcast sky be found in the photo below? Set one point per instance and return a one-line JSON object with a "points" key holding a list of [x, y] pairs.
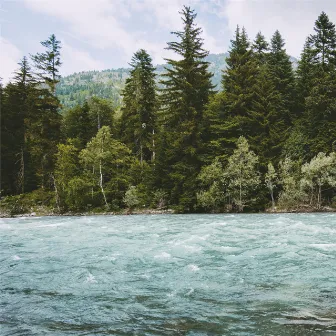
{"points": [[102, 34]]}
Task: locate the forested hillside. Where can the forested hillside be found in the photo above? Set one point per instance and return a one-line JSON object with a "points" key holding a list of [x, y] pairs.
{"points": [[264, 139], [78, 87]]}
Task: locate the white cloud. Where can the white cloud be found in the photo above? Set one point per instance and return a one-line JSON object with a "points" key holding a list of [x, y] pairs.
{"points": [[9, 57], [100, 22], [293, 18], [75, 60]]}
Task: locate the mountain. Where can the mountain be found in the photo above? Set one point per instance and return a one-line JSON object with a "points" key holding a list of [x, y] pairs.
{"points": [[78, 87]]}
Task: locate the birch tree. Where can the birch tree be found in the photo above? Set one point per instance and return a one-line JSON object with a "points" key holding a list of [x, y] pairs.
{"points": [[319, 175], [271, 181], [242, 175], [102, 155]]}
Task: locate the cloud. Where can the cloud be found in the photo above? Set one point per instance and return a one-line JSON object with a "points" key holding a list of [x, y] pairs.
{"points": [[109, 24], [9, 57], [75, 60], [293, 18], [101, 23]]}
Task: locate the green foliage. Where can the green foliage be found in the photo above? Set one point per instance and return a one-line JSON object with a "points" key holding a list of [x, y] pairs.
{"points": [[212, 194], [159, 199], [241, 175], [171, 138], [271, 181], [319, 173], [131, 198], [187, 88], [48, 62], [106, 161], [291, 196], [138, 119]]}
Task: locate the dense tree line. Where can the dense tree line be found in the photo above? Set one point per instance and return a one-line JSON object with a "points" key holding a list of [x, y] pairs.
{"points": [[266, 139]]}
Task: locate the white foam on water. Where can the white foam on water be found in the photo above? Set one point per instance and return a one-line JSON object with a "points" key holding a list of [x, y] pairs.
{"points": [[145, 276], [228, 248], [16, 257], [190, 292], [52, 225], [91, 278], [163, 255], [109, 258], [4, 226], [221, 224], [192, 248], [324, 247], [193, 268]]}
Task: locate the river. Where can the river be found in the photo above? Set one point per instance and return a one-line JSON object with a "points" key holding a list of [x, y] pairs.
{"points": [[169, 275]]}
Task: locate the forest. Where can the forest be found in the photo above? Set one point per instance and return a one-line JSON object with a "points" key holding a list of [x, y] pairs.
{"points": [[266, 141]]}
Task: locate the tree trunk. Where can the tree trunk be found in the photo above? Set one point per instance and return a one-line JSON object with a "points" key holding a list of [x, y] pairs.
{"points": [[56, 194], [153, 153], [319, 197], [101, 183], [272, 197]]}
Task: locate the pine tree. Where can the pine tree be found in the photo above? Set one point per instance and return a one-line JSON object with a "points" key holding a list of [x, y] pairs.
{"points": [[321, 114], [260, 49], [230, 110], [48, 62], [16, 116], [187, 87], [324, 42], [138, 120], [320, 100], [281, 72], [268, 128], [305, 74]]}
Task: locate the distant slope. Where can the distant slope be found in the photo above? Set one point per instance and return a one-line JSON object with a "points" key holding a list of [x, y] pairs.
{"points": [[78, 87]]}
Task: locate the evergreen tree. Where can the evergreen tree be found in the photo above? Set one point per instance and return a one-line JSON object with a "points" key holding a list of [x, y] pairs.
{"points": [[281, 72], [138, 120], [320, 95], [48, 62], [305, 75], [187, 87], [16, 115], [77, 126], [324, 42], [230, 110], [321, 114], [260, 48]]}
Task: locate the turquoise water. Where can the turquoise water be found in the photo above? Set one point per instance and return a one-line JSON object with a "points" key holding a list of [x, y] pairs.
{"points": [[169, 275]]}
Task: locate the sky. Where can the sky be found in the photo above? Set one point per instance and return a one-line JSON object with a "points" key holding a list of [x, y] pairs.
{"points": [[103, 34]]}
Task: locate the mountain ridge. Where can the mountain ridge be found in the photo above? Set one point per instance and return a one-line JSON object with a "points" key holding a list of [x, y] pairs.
{"points": [[78, 87]]}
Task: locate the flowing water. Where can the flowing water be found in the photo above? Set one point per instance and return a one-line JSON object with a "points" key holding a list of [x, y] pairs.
{"points": [[169, 275]]}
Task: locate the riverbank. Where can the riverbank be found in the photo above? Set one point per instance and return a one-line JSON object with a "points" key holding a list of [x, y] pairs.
{"points": [[47, 212]]}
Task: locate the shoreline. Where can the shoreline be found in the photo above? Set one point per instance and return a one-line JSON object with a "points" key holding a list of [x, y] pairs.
{"points": [[165, 212]]}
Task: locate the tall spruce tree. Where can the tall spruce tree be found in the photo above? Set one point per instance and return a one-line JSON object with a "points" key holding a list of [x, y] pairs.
{"points": [[260, 48], [16, 115], [324, 42], [320, 96], [138, 120], [282, 74], [305, 73], [187, 87], [48, 62], [229, 111]]}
